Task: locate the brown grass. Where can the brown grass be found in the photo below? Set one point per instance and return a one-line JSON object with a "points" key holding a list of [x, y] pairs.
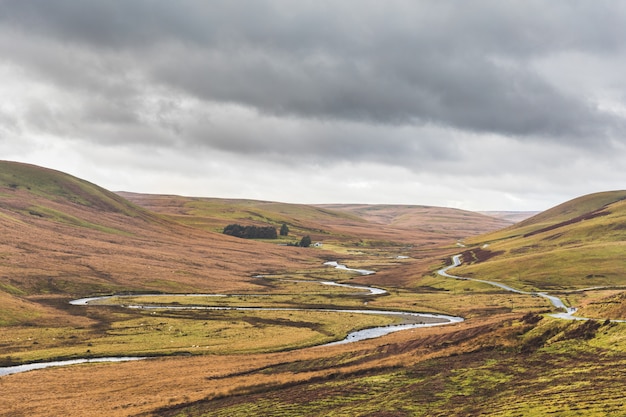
{"points": [[131, 388], [63, 242]]}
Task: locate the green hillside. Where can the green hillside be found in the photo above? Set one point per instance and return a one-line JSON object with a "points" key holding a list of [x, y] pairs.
{"points": [[570, 212], [60, 187], [575, 245]]}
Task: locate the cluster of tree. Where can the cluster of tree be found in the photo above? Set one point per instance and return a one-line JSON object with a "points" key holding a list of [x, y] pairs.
{"points": [[263, 232], [305, 242], [251, 232]]}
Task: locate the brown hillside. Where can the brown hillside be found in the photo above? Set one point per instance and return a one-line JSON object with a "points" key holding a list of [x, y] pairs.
{"points": [[65, 236], [454, 223], [416, 225]]}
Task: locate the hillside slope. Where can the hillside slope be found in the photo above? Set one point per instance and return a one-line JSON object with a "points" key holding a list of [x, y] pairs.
{"points": [[576, 245], [215, 213], [65, 237], [449, 221], [339, 223]]}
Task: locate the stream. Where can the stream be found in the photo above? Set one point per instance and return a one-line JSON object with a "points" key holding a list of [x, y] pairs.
{"points": [[568, 314], [411, 320], [8, 370]]}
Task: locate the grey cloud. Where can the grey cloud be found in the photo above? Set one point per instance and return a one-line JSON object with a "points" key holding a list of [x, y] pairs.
{"points": [[406, 63], [389, 99]]}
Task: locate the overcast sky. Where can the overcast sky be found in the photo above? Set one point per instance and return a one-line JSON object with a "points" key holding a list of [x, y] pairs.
{"points": [[480, 105]]}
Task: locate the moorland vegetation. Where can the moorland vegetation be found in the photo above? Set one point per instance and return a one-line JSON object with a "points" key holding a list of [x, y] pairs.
{"points": [[64, 238]]}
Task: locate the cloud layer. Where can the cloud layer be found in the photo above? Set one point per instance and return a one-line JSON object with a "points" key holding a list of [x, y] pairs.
{"points": [[522, 102]]}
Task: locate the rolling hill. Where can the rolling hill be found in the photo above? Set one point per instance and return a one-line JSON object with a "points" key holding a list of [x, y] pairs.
{"points": [[512, 216], [575, 245], [64, 237], [366, 225], [449, 222]]}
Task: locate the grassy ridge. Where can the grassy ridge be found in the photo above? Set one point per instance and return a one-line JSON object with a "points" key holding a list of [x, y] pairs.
{"points": [[57, 186], [213, 213], [576, 245], [458, 223], [575, 211]]}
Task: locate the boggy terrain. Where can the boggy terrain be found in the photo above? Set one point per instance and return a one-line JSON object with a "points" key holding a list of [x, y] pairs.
{"points": [[64, 238]]}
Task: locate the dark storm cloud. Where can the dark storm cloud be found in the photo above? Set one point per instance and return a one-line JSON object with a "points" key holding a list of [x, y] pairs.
{"points": [[466, 65]]}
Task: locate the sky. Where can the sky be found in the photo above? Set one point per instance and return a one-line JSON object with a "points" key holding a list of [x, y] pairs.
{"points": [[481, 105]]}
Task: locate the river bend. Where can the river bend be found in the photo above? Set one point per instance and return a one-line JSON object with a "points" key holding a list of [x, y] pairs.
{"points": [[411, 320], [568, 314]]}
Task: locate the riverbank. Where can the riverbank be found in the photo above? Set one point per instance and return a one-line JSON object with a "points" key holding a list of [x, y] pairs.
{"points": [[409, 320], [567, 314]]}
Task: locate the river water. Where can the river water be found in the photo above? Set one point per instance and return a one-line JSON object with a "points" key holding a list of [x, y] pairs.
{"points": [[412, 320], [8, 370], [568, 314], [341, 266]]}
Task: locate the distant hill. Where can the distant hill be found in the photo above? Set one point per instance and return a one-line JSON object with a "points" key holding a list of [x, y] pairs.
{"points": [[215, 213], [454, 222], [577, 244], [511, 216], [375, 224]]}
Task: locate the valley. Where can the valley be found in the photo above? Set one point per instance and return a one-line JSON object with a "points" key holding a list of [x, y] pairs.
{"points": [[233, 326]]}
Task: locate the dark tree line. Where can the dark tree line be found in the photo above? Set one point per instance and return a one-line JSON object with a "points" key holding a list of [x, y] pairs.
{"points": [[251, 232]]}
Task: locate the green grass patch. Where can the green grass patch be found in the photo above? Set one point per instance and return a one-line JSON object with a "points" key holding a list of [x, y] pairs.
{"points": [[61, 217], [162, 332], [560, 269]]}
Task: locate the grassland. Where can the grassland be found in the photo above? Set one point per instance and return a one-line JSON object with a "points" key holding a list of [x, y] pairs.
{"points": [[563, 376], [163, 333], [503, 366], [64, 238], [573, 246]]}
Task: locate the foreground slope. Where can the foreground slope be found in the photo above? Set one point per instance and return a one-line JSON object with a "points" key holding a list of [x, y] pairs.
{"points": [[577, 245], [497, 367]]}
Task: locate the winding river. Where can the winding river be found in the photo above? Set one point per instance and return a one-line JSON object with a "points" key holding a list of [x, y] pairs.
{"points": [[568, 314], [411, 320]]}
